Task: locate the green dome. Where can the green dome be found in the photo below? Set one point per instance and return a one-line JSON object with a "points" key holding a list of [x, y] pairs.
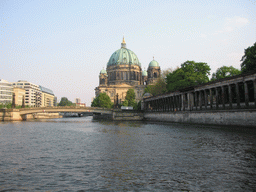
{"points": [[153, 64], [103, 71], [123, 56], [144, 73]]}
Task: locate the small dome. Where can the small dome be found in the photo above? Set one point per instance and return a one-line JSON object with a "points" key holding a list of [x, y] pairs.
{"points": [[147, 95], [103, 71], [153, 63], [144, 73]]}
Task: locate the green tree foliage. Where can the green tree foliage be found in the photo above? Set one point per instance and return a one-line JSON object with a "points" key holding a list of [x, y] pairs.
{"points": [[103, 100], [160, 86], [65, 102], [130, 95], [6, 105], [249, 59], [130, 99], [225, 72], [189, 74], [125, 103]]}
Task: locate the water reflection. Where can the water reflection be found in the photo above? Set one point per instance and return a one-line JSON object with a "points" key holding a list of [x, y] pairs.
{"points": [[84, 154]]}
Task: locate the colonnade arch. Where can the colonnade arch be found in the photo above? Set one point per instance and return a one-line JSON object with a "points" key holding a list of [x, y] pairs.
{"points": [[230, 93]]}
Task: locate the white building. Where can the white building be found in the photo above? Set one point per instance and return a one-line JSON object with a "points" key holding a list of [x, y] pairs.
{"points": [[47, 97], [6, 91], [32, 93]]}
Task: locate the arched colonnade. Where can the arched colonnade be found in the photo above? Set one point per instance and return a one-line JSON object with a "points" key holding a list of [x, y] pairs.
{"points": [[230, 93]]}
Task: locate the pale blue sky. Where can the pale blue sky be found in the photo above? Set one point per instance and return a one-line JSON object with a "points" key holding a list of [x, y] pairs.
{"points": [[63, 45]]}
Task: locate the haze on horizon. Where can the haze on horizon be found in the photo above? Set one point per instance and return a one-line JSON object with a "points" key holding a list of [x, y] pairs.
{"points": [[63, 45]]}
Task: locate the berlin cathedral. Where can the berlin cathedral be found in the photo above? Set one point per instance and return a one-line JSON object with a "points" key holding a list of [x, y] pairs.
{"points": [[124, 72]]}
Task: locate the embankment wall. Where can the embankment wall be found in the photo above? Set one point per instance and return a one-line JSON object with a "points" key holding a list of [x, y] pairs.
{"points": [[235, 117]]}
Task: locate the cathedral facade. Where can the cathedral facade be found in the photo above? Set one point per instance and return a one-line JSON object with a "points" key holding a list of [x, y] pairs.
{"points": [[124, 72]]}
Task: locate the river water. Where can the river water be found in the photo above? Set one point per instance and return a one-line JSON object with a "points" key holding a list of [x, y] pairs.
{"points": [[81, 154]]}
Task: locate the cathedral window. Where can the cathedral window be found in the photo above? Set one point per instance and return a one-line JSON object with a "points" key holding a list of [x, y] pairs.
{"points": [[124, 75]]}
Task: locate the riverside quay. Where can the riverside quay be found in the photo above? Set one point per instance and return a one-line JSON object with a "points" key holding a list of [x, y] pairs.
{"points": [[236, 92]]}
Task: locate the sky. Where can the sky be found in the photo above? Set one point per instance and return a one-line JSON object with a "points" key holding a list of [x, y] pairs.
{"points": [[63, 45]]}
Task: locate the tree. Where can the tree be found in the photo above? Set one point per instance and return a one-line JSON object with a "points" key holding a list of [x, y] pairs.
{"points": [[102, 100], [65, 102], [130, 95], [189, 74], [6, 105], [130, 99], [249, 59], [225, 71], [160, 86]]}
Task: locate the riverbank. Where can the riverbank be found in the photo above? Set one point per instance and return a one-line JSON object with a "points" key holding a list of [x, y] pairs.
{"points": [[242, 117]]}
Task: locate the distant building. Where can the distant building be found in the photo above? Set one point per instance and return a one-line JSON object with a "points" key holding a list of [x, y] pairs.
{"points": [[6, 91], [19, 95], [55, 101], [124, 72], [78, 103], [47, 97], [32, 93], [77, 100]]}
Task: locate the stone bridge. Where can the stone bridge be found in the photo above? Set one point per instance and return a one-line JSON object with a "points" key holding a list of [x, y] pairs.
{"points": [[20, 114]]}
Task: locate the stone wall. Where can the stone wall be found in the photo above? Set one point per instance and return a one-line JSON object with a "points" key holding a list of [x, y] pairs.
{"points": [[230, 117], [127, 115], [120, 115]]}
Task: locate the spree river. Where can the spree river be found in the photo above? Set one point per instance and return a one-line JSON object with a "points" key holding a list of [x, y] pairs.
{"points": [[82, 154]]}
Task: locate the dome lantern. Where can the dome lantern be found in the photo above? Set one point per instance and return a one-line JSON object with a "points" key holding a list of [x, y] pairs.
{"points": [[123, 44]]}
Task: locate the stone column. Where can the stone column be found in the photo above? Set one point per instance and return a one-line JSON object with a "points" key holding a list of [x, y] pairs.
{"points": [[217, 99], [254, 88], [211, 98], [223, 96], [177, 102], [173, 103], [230, 96], [200, 100], [205, 99], [196, 103], [246, 95], [189, 102], [183, 102], [168, 104], [237, 96], [180, 102], [164, 104]]}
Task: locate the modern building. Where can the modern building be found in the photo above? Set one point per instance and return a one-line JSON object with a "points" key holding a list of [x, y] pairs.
{"points": [[19, 94], [47, 97], [124, 72], [32, 93], [55, 101], [78, 103], [77, 100], [6, 91]]}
